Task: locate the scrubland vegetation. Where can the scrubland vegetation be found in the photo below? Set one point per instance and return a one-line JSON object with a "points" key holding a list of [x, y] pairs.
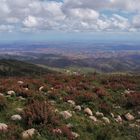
{"points": [[67, 107]]}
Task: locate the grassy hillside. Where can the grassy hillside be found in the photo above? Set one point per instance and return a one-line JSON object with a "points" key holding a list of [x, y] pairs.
{"points": [[124, 63], [67, 107], [19, 68]]}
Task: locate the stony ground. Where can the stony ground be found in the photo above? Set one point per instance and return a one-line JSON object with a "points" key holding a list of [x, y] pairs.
{"points": [[61, 107]]}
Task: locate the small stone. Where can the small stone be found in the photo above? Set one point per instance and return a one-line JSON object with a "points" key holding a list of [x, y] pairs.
{"points": [[78, 108], [88, 111], [119, 119], [99, 114], [1, 94], [19, 110], [26, 89], [134, 125], [11, 92], [41, 88], [21, 98], [3, 127], [106, 120], [93, 118], [66, 114], [20, 82], [138, 121], [75, 135], [16, 117], [129, 117], [52, 102], [117, 107], [56, 110], [112, 115], [71, 102], [127, 92], [28, 134]]}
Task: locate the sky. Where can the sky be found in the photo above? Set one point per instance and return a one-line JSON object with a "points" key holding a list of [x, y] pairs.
{"points": [[45, 20]]}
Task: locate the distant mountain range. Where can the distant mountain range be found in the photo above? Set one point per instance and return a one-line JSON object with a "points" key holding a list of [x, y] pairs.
{"points": [[106, 57]]}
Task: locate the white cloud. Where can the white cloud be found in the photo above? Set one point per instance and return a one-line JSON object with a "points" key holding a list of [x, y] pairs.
{"points": [[30, 21], [136, 21], [83, 14], [70, 15], [120, 22], [126, 5], [129, 5]]}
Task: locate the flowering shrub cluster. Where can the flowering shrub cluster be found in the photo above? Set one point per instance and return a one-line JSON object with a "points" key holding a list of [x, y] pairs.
{"points": [[120, 82], [39, 113], [41, 100], [133, 99]]}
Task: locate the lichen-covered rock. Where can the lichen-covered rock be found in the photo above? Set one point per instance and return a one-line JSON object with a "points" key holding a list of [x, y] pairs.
{"points": [[99, 114], [20, 82], [75, 135], [78, 108], [1, 94], [66, 114], [16, 117], [88, 111], [129, 117], [26, 89], [21, 98], [41, 88], [71, 102], [28, 134], [112, 115], [19, 110], [3, 127], [93, 118], [119, 119], [138, 121], [134, 125], [11, 92], [106, 120]]}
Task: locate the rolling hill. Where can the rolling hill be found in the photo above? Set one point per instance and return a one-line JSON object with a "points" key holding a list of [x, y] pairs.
{"points": [[20, 68]]}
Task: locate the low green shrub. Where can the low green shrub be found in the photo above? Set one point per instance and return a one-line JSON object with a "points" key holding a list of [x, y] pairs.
{"points": [[3, 103]]}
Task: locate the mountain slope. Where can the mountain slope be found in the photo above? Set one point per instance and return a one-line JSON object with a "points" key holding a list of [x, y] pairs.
{"points": [[20, 68]]}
